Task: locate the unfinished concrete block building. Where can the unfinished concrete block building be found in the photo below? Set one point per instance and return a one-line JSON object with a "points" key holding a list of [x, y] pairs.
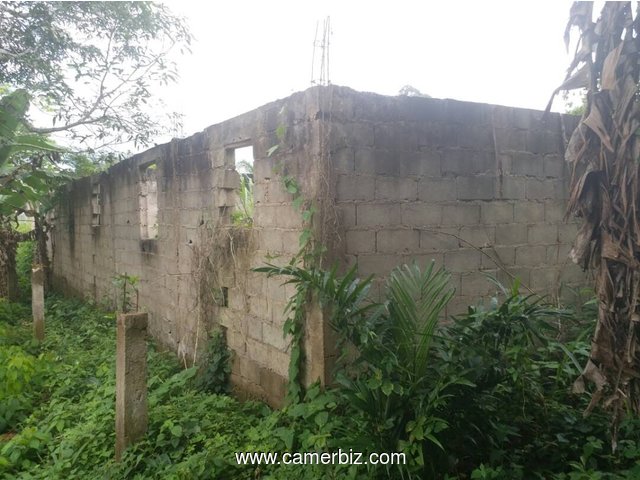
{"points": [[477, 188]]}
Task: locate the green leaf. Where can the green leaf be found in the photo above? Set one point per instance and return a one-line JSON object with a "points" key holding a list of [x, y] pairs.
{"points": [[272, 150], [322, 418], [281, 131], [387, 388]]}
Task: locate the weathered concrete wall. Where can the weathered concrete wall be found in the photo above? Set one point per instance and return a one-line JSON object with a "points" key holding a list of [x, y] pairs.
{"points": [[395, 179], [196, 193], [475, 187]]}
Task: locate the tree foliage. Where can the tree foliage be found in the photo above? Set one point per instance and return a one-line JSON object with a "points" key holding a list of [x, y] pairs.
{"points": [[602, 155], [87, 69], [91, 65]]}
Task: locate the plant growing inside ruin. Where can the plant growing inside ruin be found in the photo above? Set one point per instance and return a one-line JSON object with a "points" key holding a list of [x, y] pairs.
{"points": [[243, 214], [126, 291], [213, 376]]}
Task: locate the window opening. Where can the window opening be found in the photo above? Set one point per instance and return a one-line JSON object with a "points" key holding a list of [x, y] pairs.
{"points": [[243, 209], [148, 200], [96, 205]]}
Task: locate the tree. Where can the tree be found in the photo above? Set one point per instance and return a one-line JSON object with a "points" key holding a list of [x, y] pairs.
{"points": [[89, 68], [603, 155], [411, 91], [91, 64]]}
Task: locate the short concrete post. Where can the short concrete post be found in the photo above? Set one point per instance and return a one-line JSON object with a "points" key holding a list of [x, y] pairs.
{"points": [[131, 380], [37, 302]]}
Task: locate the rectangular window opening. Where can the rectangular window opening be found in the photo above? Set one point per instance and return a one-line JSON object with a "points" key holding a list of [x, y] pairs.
{"points": [[148, 202], [243, 161], [96, 205]]}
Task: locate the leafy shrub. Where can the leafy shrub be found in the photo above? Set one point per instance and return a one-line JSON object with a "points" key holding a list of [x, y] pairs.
{"points": [[24, 261], [213, 376], [21, 377]]}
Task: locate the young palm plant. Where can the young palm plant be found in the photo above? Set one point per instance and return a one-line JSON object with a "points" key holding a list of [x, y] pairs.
{"points": [[397, 390]]}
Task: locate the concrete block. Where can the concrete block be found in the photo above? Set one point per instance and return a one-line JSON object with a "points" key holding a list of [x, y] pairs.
{"points": [[510, 188], [475, 188], [552, 254], [437, 189], [572, 274], [511, 234], [462, 260], [537, 189], [479, 236], [426, 162], [257, 352], [257, 305], [439, 135], [467, 162], [346, 214], [461, 214], [254, 328], [496, 212], [524, 163], [542, 234], [520, 272], [380, 214], [376, 162], [468, 113], [554, 211], [343, 160], [227, 178], [476, 284], [529, 212], [274, 386], [396, 136], [542, 141], [479, 137], [245, 368], [273, 336], [394, 188], [377, 264], [397, 241], [421, 214], [531, 255], [360, 241], [563, 252], [567, 232], [419, 109], [270, 240], [438, 240], [351, 134], [554, 166], [497, 257], [459, 305], [352, 187], [511, 139], [544, 279]]}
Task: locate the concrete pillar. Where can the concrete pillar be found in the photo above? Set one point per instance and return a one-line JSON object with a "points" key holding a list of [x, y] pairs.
{"points": [[131, 380], [319, 346], [37, 302]]}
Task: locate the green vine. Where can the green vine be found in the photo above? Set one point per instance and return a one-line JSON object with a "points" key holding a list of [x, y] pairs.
{"points": [[309, 255]]}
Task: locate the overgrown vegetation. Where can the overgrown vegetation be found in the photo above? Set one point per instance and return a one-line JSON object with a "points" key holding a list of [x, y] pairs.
{"points": [[602, 156], [486, 396]]}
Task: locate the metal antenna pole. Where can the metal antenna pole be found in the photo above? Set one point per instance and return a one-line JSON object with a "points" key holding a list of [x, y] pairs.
{"points": [[323, 67]]}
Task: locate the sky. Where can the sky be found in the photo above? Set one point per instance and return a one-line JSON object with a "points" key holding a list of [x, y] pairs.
{"points": [[249, 53]]}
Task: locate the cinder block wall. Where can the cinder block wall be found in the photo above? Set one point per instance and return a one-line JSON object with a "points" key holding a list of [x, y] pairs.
{"points": [[477, 188], [197, 188]]}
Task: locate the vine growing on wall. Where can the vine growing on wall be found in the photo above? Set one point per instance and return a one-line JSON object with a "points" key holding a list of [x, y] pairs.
{"points": [[308, 255]]}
